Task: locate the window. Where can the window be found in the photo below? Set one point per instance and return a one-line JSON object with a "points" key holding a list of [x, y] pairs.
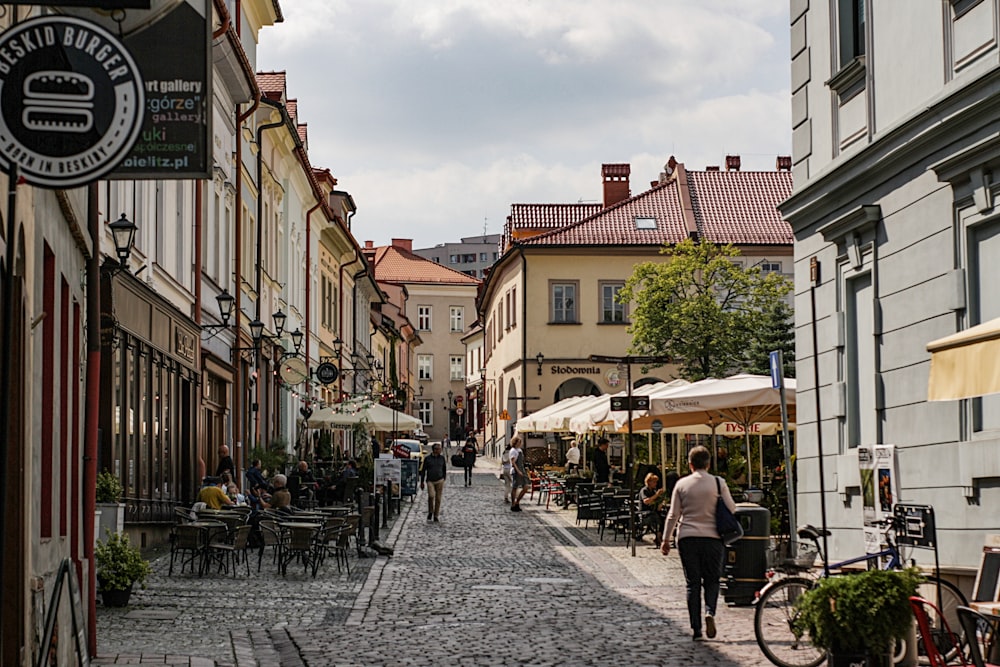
{"points": [[425, 366], [424, 318], [500, 321], [483, 257], [513, 307], [453, 259], [563, 302], [859, 362], [456, 315], [425, 412], [469, 258], [645, 223], [457, 365], [770, 267], [506, 299], [851, 25], [984, 244], [611, 310]]}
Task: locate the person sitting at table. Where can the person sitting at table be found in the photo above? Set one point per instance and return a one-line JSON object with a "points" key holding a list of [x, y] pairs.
{"points": [[213, 496], [302, 484], [281, 499], [651, 515], [254, 475], [350, 470]]}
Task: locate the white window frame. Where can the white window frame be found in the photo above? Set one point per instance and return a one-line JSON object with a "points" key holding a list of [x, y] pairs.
{"points": [[564, 314], [425, 315], [425, 411], [425, 366], [456, 318], [456, 368]]}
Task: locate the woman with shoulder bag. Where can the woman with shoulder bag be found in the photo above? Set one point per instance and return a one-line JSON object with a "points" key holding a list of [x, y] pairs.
{"points": [[693, 508]]}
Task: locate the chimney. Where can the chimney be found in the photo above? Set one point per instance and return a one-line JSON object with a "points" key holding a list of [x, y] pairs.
{"points": [[732, 163], [615, 177], [403, 244], [369, 245], [784, 163], [712, 167]]}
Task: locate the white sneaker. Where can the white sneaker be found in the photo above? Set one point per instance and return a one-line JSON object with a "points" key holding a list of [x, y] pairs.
{"points": [[710, 626]]}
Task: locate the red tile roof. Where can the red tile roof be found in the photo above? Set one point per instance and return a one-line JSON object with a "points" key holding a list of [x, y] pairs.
{"points": [[396, 265], [529, 219], [272, 84], [739, 207]]}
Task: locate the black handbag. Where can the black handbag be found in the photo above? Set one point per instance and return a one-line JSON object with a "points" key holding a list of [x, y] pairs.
{"points": [[726, 523]]}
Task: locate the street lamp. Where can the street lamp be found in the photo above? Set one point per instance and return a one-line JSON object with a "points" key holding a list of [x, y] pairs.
{"points": [[540, 358], [297, 337], [123, 234]]}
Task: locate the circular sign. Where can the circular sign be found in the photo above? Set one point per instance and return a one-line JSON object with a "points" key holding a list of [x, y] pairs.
{"points": [[459, 411], [293, 370], [656, 426], [327, 373], [71, 101]]}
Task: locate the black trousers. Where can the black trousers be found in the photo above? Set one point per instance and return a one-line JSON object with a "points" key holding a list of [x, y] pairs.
{"points": [[701, 558], [468, 475]]}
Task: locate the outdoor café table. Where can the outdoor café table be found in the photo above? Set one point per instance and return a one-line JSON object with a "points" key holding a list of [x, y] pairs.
{"points": [[335, 510], [207, 528]]}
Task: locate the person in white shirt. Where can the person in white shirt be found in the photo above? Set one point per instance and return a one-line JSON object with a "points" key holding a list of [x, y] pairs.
{"points": [[505, 473], [572, 457], [520, 474]]}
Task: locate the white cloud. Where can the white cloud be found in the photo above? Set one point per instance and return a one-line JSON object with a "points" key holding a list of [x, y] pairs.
{"points": [[436, 114]]}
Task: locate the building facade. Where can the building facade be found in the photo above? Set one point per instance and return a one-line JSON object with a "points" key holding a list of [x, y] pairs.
{"points": [[472, 255], [894, 150], [544, 314]]}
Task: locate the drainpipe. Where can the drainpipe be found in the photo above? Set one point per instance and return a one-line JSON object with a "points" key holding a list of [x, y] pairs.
{"points": [[236, 444], [524, 337], [260, 241], [198, 222], [309, 297], [90, 445], [340, 310]]}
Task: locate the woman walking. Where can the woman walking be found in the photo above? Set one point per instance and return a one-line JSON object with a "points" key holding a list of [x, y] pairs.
{"points": [[692, 506]]}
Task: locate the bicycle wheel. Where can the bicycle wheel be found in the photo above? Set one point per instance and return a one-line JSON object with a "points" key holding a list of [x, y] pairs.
{"points": [[772, 625], [951, 599]]}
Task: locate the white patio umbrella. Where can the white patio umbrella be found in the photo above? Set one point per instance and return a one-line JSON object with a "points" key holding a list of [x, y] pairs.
{"points": [[378, 416], [744, 399], [560, 419], [600, 413], [536, 421]]}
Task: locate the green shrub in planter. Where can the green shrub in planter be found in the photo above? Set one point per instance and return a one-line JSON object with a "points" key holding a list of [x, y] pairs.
{"points": [[119, 564], [109, 488], [859, 613]]}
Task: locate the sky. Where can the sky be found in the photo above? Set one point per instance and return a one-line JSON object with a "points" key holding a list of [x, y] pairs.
{"points": [[437, 115]]}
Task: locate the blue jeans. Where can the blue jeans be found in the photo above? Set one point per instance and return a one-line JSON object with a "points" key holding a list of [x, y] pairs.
{"points": [[701, 558]]}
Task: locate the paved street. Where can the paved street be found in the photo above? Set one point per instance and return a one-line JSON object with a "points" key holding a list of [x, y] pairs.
{"points": [[486, 586]]}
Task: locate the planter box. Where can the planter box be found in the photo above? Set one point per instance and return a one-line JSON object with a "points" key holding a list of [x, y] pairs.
{"points": [[109, 516]]}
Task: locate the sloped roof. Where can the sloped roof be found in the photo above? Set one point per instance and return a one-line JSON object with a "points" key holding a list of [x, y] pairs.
{"points": [[726, 206], [397, 265], [741, 207], [272, 84]]}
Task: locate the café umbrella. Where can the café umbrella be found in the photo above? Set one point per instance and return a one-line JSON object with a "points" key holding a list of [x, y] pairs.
{"points": [[378, 416]]}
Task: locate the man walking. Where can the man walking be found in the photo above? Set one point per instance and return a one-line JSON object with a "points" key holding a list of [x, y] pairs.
{"points": [[602, 468], [520, 472], [433, 470], [469, 459]]}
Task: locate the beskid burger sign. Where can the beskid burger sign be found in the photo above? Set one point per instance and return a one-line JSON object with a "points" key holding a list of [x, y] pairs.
{"points": [[71, 101]]}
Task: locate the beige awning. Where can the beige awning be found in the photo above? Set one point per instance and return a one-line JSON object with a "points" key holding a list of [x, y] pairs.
{"points": [[965, 364]]}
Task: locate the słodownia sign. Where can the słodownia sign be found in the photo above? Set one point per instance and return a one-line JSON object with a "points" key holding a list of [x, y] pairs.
{"points": [[71, 101]]}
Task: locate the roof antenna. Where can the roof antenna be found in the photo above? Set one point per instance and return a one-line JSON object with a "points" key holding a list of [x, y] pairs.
{"points": [[485, 222]]}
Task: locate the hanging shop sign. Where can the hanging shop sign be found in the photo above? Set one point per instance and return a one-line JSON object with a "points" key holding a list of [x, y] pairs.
{"points": [[71, 101], [176, 124]]}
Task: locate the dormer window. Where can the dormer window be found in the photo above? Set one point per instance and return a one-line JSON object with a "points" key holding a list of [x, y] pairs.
{"points": [[645, 223]]}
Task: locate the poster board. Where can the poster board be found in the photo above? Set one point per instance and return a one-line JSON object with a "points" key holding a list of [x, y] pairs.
{"points": [[879, 490], [987, 587], [389, 472], [409, 477]]}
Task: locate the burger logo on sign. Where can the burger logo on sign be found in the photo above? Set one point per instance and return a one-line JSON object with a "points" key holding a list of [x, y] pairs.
{"points": [[71, 101]]}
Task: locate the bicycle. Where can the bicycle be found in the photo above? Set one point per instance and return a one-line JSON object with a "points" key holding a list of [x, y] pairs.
{"points": [[774, 617]]}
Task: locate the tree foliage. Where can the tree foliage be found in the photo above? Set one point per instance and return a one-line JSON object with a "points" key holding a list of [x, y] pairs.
{"points": [[700, 308], [777, 333]]}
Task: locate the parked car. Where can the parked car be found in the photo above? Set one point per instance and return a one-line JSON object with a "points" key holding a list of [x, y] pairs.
{"points": [[408, 449], [421, 436]]}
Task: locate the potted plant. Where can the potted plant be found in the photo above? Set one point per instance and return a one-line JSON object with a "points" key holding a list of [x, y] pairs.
{"points": [[119, 566], [111, 512], [858, 617]]}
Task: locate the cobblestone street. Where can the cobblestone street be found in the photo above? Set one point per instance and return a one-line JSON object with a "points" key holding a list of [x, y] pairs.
{"points": [[486, 586]]}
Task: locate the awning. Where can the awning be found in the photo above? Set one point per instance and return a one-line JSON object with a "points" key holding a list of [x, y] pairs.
{"points": [[965, 364]]}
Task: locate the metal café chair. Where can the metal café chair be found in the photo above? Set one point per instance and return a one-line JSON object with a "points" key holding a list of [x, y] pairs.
{"points": [[982, 636], [187, 544], [301, 545], [229, 551]]}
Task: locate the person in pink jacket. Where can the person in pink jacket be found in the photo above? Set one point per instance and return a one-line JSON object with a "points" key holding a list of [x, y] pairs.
{"points": [[692, 512]]}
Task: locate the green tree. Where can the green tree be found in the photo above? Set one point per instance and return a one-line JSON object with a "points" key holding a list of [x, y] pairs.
{"points": [[700, 308], [777, 333]]}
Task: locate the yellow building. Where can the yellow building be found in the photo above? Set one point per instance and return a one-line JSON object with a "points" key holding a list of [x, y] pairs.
{"points": [[548, 304]]}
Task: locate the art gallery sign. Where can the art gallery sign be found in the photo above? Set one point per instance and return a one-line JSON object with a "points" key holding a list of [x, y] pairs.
{"points": [[71, 101]]}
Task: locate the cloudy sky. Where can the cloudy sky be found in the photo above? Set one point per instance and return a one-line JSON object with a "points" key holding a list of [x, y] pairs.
{"points": [[437, 115]]}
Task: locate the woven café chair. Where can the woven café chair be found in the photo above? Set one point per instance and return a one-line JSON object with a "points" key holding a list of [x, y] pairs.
{"points": [[229, 552], [302, 545], [187, 543], [271, 536]]}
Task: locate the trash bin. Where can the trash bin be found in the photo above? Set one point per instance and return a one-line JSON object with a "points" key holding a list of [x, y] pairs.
{"points": [[745, 566]]}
